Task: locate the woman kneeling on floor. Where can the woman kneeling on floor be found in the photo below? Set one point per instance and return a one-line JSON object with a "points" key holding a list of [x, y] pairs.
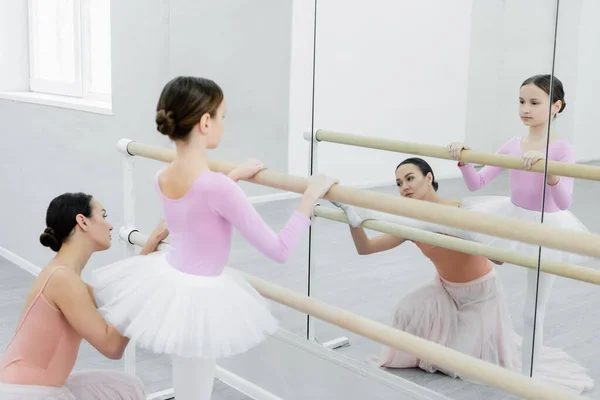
{"points": [[60, 311]]}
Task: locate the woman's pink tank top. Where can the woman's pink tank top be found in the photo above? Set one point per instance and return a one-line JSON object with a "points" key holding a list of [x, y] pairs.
{"points": [[44, 348]]}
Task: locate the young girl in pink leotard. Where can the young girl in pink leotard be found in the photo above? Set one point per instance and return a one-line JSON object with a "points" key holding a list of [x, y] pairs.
{"points": [[464, 307], [60, 312], [186, 302], [526, 196]]}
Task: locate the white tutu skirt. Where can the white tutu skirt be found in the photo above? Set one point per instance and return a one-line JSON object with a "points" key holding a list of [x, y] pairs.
{"points": [[502, 206], [84, 385], [473, 319], [167, 311]]}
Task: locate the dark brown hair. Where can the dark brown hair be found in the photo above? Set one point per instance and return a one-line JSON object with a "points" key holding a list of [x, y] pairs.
{"points": [[182, 103], [423, 166], [543, 82], [61, 218]]}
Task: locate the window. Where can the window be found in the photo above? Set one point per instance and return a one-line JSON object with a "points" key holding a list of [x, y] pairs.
{"points": [[69, 48]]}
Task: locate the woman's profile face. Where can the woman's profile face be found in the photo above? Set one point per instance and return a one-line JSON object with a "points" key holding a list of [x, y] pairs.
{"points": [[412, 183]]}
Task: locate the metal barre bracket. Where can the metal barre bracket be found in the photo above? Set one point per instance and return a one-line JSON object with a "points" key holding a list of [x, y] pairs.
{"points": [[123, 146], [125, 234], [307, 135]]}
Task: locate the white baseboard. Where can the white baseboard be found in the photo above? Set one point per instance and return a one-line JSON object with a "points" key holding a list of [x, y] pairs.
{"points": [[237, 382], [246, 387], [19, 261]]}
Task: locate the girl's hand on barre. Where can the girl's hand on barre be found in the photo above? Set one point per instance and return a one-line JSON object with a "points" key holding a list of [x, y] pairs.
{"points": [[246, 170], [530, 158], [319, 185], [159, 234], [455, 148]]}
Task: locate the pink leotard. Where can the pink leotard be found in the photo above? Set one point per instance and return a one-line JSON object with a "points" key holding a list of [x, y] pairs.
{"points": [[44, 348], [201, 223], [526, 187]]}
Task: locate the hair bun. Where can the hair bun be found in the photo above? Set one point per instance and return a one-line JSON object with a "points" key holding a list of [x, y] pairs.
{"points": [[165, 122], [49, 239]]}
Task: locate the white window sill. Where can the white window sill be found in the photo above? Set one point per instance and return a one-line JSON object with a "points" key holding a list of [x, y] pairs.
{"points": [[87, 105]]}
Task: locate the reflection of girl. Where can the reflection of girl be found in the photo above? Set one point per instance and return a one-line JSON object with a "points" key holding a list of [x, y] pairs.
{"points": [[464, 307], [526, 195]]}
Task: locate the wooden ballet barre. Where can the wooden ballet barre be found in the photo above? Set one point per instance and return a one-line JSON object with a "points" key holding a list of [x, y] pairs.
{"points": [[567, 270], [579, 171], [509, 228], [444, 357]]}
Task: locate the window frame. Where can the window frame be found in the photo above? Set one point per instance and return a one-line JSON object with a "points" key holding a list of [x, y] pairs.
{"points": [[81, 86]]}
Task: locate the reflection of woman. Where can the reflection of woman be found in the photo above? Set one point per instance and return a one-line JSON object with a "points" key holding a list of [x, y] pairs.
{"points": [[464, 306], [527, 194]]}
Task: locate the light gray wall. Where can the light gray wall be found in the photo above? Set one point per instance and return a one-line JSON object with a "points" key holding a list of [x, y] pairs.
{"points": [[14, 53], [244, 46]]}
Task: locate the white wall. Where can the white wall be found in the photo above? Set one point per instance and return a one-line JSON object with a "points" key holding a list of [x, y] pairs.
{"points": [[14, 69], [244, 47], [391, 69], [512, 45], [585, 109]]}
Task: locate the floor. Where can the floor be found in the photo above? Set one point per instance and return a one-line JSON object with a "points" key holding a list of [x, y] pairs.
{"points": [[370, 286]]}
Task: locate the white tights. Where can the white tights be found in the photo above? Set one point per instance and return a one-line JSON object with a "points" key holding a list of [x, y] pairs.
{"points": [[193, 378], [529, 345]]}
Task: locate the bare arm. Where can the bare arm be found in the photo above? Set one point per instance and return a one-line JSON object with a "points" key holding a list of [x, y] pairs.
{"points": [[76, 301], [365, 246], [159, 234], [150, 246]]}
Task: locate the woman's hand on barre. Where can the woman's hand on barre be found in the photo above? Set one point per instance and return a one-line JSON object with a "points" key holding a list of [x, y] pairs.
{"points": [[354, 219]]}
